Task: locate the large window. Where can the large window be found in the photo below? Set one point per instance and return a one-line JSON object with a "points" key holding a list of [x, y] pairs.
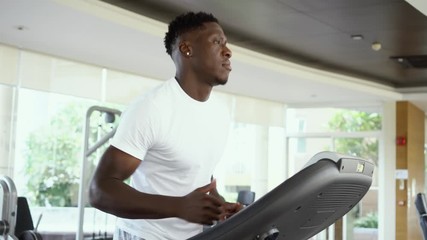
{"points": [[254, 160], [49, 140], [347, 131], [7, 96]]}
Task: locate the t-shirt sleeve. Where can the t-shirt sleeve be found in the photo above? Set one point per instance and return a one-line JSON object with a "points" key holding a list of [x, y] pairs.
{"points": [[135, 133]]}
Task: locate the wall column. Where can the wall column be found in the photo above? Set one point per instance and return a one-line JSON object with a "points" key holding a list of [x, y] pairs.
{"points": [[409, 168], [386, 173]]}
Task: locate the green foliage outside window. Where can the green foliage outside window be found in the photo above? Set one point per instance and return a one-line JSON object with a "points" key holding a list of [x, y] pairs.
{"points": [[368, 221], [52, 159], [355, 121], [54, 155]]}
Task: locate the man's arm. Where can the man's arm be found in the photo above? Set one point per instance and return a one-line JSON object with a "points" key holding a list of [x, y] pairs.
{"points": [[109, 193]]}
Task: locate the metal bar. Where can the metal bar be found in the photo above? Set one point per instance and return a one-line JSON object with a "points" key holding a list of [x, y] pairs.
{"points": [[87, 151], [100, 143]]}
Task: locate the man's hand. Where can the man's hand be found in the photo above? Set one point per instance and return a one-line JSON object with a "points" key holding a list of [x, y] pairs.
{"points": [[201, 207], [228, 209]]}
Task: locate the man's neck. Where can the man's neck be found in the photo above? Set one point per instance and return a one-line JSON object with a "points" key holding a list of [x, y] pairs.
{"points": [[195, 89]]}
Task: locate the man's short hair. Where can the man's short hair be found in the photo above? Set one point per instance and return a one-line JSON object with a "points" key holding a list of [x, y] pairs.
{"points": [[184, 23]]}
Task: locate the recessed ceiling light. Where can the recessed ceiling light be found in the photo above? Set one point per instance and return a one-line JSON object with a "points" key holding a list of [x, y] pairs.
{"points": [[21, 28], [357, 37]]}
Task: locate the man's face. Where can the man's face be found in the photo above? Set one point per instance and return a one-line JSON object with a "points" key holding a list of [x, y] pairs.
{"points": [[210, 55]]}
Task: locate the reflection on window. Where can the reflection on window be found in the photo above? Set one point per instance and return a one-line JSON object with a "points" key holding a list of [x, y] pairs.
{"points": [[245, 165], [6, 106], [297, 159], [301, 145]]}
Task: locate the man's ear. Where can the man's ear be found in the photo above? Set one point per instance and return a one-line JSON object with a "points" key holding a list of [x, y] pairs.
{"points": [[185, 48]]}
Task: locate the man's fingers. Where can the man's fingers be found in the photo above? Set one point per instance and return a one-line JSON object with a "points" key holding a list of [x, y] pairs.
{"points": [[207, 188], [233, 207]]}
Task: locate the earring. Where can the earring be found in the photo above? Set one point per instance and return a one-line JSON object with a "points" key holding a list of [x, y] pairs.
{"points": [[188, 53]]}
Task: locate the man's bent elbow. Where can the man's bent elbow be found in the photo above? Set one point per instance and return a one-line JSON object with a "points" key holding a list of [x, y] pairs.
{"points": [[95, 196]]}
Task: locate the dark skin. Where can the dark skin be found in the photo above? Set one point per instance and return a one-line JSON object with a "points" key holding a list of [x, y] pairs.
{"points": [[202, 61]]}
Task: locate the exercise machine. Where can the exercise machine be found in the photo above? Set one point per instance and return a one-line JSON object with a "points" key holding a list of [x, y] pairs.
{"points": [[421, 206], [8, 196], [16, 221], [328, 187], [91, 146]]}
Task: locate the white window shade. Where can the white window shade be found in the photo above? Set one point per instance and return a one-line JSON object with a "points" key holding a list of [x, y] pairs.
{"points": [[256, 111], [122, 88], [8, 64], [49, 74]]}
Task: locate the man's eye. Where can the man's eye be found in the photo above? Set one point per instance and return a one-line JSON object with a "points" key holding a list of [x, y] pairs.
{"points": [[217, 42]]}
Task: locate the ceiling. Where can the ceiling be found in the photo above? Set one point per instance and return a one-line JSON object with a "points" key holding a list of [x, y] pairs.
{"points": [[295, 51], [318, 33]]}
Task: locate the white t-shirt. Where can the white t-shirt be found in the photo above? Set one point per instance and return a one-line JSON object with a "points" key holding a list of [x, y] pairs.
{"points": [[179, 141]]}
